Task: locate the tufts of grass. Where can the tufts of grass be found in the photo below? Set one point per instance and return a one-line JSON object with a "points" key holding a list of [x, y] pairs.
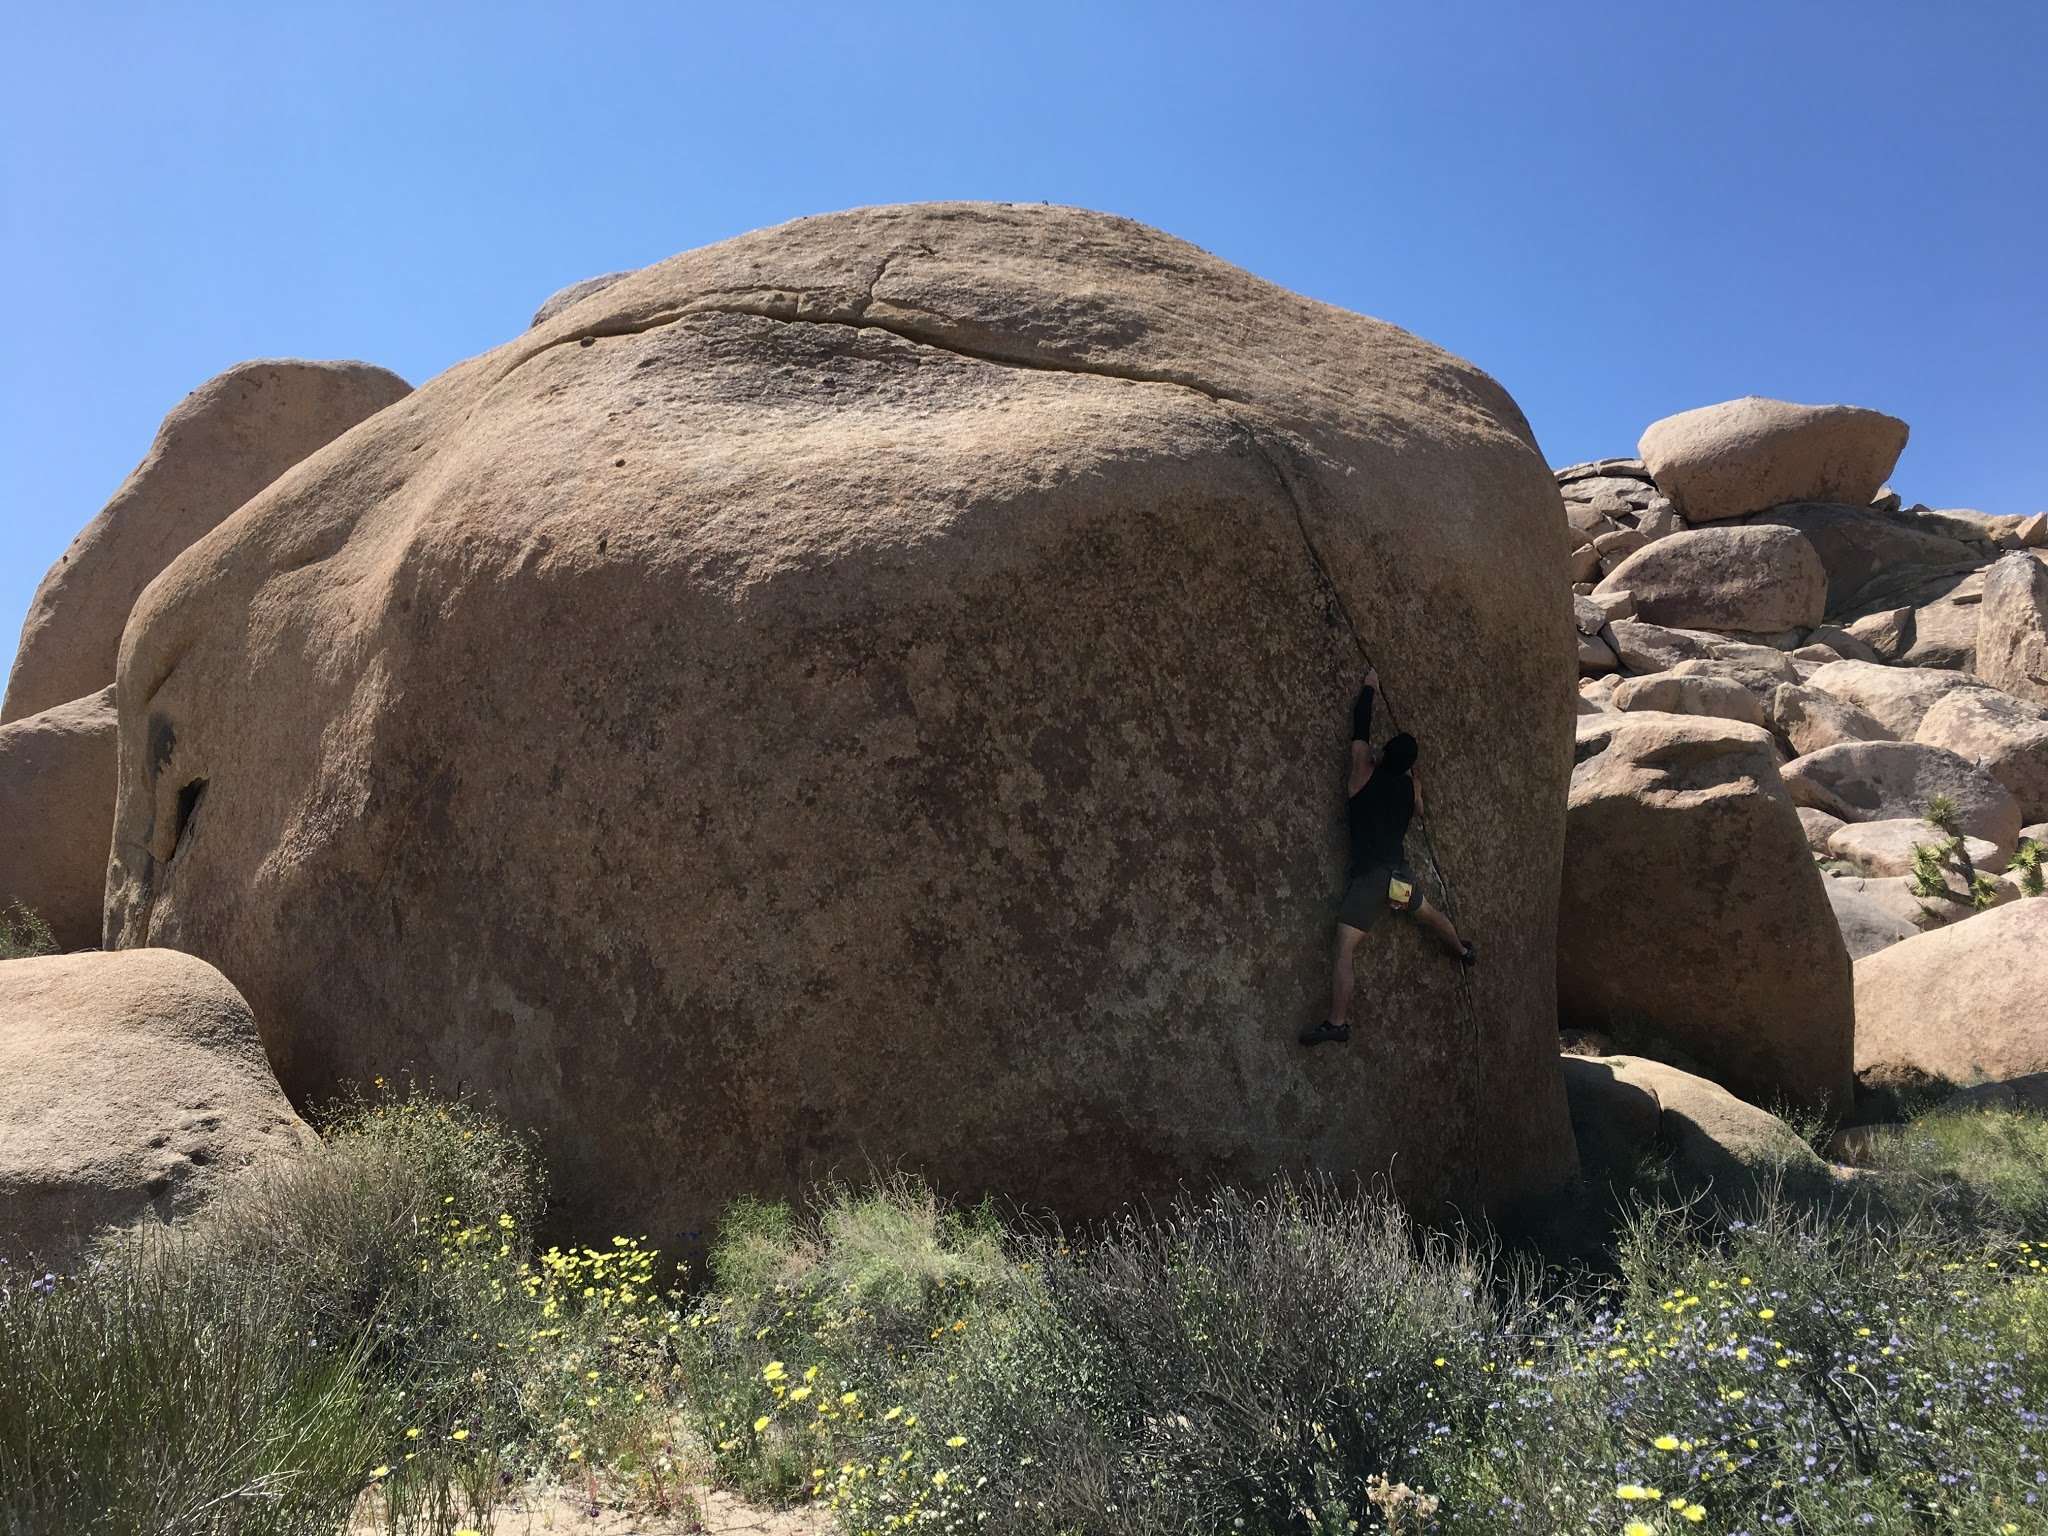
{"points": [[149, 1399]]}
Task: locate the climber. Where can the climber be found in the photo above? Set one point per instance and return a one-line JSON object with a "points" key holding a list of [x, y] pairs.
{"points": [[1384, 796]]}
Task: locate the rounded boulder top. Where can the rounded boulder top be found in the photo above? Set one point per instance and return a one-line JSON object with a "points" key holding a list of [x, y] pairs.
{"points": [[219, 446], [872, 693]]}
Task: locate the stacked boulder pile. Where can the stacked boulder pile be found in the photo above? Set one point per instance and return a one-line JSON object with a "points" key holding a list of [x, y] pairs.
{"points": [[1785, 670]]}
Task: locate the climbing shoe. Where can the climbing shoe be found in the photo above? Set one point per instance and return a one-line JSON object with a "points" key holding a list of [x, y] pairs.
{"points": [[1469, 956], [1318, 1033]]}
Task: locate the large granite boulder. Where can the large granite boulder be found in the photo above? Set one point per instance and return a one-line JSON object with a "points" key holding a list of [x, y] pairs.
{"points": [[1746, 455], [821, 702], [1858, 544], [1889, 780], [1692, 910], [1757, 580], [219, 446], [2005, 736], [1963, 1004], [132, 1086], [2012, 627], [1628, 1112], [57, 815], [1898, 698]]}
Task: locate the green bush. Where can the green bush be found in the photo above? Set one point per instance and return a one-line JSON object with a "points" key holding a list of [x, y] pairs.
{"points": [[23, 934]]}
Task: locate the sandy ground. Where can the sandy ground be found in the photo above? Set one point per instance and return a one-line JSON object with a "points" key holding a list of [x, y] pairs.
{"points": [[557, 1514]]}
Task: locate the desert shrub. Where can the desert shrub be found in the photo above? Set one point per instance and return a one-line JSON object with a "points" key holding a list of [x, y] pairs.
{"points": [[375, 1316], [1307, 1360], [23, 934], [815, 1322], [1981, 1168], [139, 1400]]}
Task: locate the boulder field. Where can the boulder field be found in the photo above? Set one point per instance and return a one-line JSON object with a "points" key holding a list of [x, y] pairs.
{"points": [[870, 693]]}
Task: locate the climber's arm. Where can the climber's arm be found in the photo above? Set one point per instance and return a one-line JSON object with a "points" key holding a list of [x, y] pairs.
{"points": [[1361, 735]]}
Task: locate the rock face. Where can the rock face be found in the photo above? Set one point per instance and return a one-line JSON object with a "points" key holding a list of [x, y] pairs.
{"points": [[1741, 456], [2012, 627], [1691, 907], [222, 444], [2006, 737], [826, 786], [131, 1086], [1889, 780], [1756, 579], [57, 815], [1626, 1110], [1962, 1004], [1898, 698]]}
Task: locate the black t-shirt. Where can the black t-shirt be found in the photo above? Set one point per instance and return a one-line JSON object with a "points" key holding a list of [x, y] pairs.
{"points": [[1382, 808], [1379, 814]]}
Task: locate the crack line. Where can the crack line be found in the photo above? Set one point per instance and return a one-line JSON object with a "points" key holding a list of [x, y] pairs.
{"points": [[785, 305]]}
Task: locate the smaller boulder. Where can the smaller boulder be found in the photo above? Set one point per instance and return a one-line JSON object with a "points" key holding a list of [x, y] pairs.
{"points": [[1875, 914], [1887, 634], [1809, 719], [1676, 693], [2005, 736], [1757, 580], [1886, 847], [57, 814], [1898, 697], [1743, 456], [1627, 1111], [1602, 469], [1847, 647], [1595, 656], [2012, 627], [1819, 826], [1962, 1004], [132, 1085], [1890, 780], [1682, 851]]}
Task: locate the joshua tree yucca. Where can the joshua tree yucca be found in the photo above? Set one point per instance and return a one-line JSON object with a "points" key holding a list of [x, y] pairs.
{"points": [[1933, 863]]}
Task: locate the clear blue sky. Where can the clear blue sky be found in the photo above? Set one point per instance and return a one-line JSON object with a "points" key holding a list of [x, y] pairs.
{"points": [[1620, 210]]}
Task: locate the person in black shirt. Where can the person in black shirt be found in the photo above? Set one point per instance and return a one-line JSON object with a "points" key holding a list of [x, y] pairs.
{"points": [[1384, 797]]}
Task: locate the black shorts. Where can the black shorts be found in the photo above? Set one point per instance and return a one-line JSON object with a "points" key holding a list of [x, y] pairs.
{"points": [[1372, 893]]}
